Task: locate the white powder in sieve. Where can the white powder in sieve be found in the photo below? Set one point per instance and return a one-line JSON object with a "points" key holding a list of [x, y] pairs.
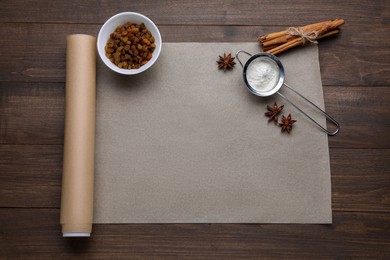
{"points": [[262, 74]]}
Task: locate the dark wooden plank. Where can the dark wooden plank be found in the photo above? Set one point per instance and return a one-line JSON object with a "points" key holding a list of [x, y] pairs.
{"points": [[33, 113], [348, 59], [36, 233], [356, 58], [218, 12], [30, 176], [363, 114], [360, 179]]}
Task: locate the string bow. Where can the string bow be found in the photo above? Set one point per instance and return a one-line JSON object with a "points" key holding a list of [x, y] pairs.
{"points": [[298, 31]]}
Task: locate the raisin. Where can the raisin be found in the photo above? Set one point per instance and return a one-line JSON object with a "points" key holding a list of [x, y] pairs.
{"points": [[130, 46]]}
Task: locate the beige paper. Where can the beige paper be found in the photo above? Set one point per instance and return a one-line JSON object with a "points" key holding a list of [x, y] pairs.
{"points": [[79, 143], [187, 143]]}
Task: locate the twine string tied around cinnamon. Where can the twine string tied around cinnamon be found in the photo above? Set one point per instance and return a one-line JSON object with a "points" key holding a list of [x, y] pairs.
{"points": [[306, 36]]}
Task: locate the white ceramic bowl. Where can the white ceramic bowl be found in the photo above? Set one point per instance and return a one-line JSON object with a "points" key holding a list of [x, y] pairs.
{"points": [[119, 19]]}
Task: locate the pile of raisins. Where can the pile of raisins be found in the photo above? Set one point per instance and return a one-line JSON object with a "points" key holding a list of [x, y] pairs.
{"points": [[130, 46]]}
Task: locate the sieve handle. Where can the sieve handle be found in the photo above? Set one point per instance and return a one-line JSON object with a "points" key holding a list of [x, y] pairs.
{"points": [[247, 53], [314, 105]]}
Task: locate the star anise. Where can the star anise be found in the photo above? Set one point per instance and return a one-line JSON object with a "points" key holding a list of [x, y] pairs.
{"points": [[273, 112], [226, 62], [287, 123]]}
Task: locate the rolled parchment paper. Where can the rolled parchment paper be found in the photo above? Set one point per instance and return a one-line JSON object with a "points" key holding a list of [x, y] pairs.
{"points": [[79, 141]]}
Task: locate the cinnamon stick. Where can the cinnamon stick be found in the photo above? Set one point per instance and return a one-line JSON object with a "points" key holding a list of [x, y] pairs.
{"points": [[271, 36], [281, 40], [286, 46], [278, 42], [294, 43], [331, 33], [274, 35], [329, 26], [267, 48], [282, 36]]}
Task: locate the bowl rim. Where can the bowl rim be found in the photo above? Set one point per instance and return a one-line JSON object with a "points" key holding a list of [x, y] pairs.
{"points": [[112, 66]]}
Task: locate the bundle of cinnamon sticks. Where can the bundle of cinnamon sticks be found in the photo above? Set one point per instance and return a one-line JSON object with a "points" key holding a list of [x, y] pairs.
{"points": [[279, 42]]}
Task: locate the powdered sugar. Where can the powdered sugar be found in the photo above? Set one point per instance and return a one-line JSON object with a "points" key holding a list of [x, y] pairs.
{"points": [[262, 74]]}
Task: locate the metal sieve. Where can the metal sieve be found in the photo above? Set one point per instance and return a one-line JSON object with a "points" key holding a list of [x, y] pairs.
{"points": [[272, 59]]}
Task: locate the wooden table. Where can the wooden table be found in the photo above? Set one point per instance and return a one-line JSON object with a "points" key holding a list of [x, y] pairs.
{"points": [[355, 74]]}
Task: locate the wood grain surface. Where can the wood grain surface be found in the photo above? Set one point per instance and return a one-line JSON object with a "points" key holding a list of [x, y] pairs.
{"points": [[355, 70]]}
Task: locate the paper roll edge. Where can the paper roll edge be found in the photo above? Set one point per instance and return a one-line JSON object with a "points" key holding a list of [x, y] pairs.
{"points": [[76, 234], [76, 229]]}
